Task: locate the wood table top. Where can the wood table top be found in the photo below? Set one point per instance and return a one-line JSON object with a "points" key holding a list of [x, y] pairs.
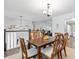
{"points": [[41, 42]]}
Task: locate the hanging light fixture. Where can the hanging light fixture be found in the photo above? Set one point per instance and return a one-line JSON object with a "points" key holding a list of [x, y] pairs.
{"points": [[20, 24], [48, 9], [21, 27]]}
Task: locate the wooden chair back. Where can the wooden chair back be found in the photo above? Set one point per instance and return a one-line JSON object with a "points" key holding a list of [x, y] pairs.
{"points": [[35, 35], [66, 38], [57, 46], [23, 48], [66, 35], [58, 41]]}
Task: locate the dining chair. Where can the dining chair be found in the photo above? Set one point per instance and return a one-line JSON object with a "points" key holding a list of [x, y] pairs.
{"points": [[55, 49], [65, 42], [32, 36], [63, 39], [35, 35], [27, 53], [66, 37]]}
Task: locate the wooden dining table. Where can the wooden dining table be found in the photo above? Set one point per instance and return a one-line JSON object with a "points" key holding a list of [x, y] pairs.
{"points": [[40, 43]]}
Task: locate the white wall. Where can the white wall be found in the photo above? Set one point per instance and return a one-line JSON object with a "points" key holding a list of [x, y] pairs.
{"points": [[58, 22], [47, 25]]}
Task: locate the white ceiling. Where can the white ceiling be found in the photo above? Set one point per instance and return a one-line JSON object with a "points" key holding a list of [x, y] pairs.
{"points": [[33, 9]]}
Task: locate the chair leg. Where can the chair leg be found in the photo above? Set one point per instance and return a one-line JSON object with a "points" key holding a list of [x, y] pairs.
{"points": [[58, 55], [61, 54], [65, 51], [47, 58], [52, 56], [29, 58], [22, 57]]}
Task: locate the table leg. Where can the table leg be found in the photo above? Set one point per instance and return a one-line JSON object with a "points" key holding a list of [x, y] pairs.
{"points": [[39, 56]]}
